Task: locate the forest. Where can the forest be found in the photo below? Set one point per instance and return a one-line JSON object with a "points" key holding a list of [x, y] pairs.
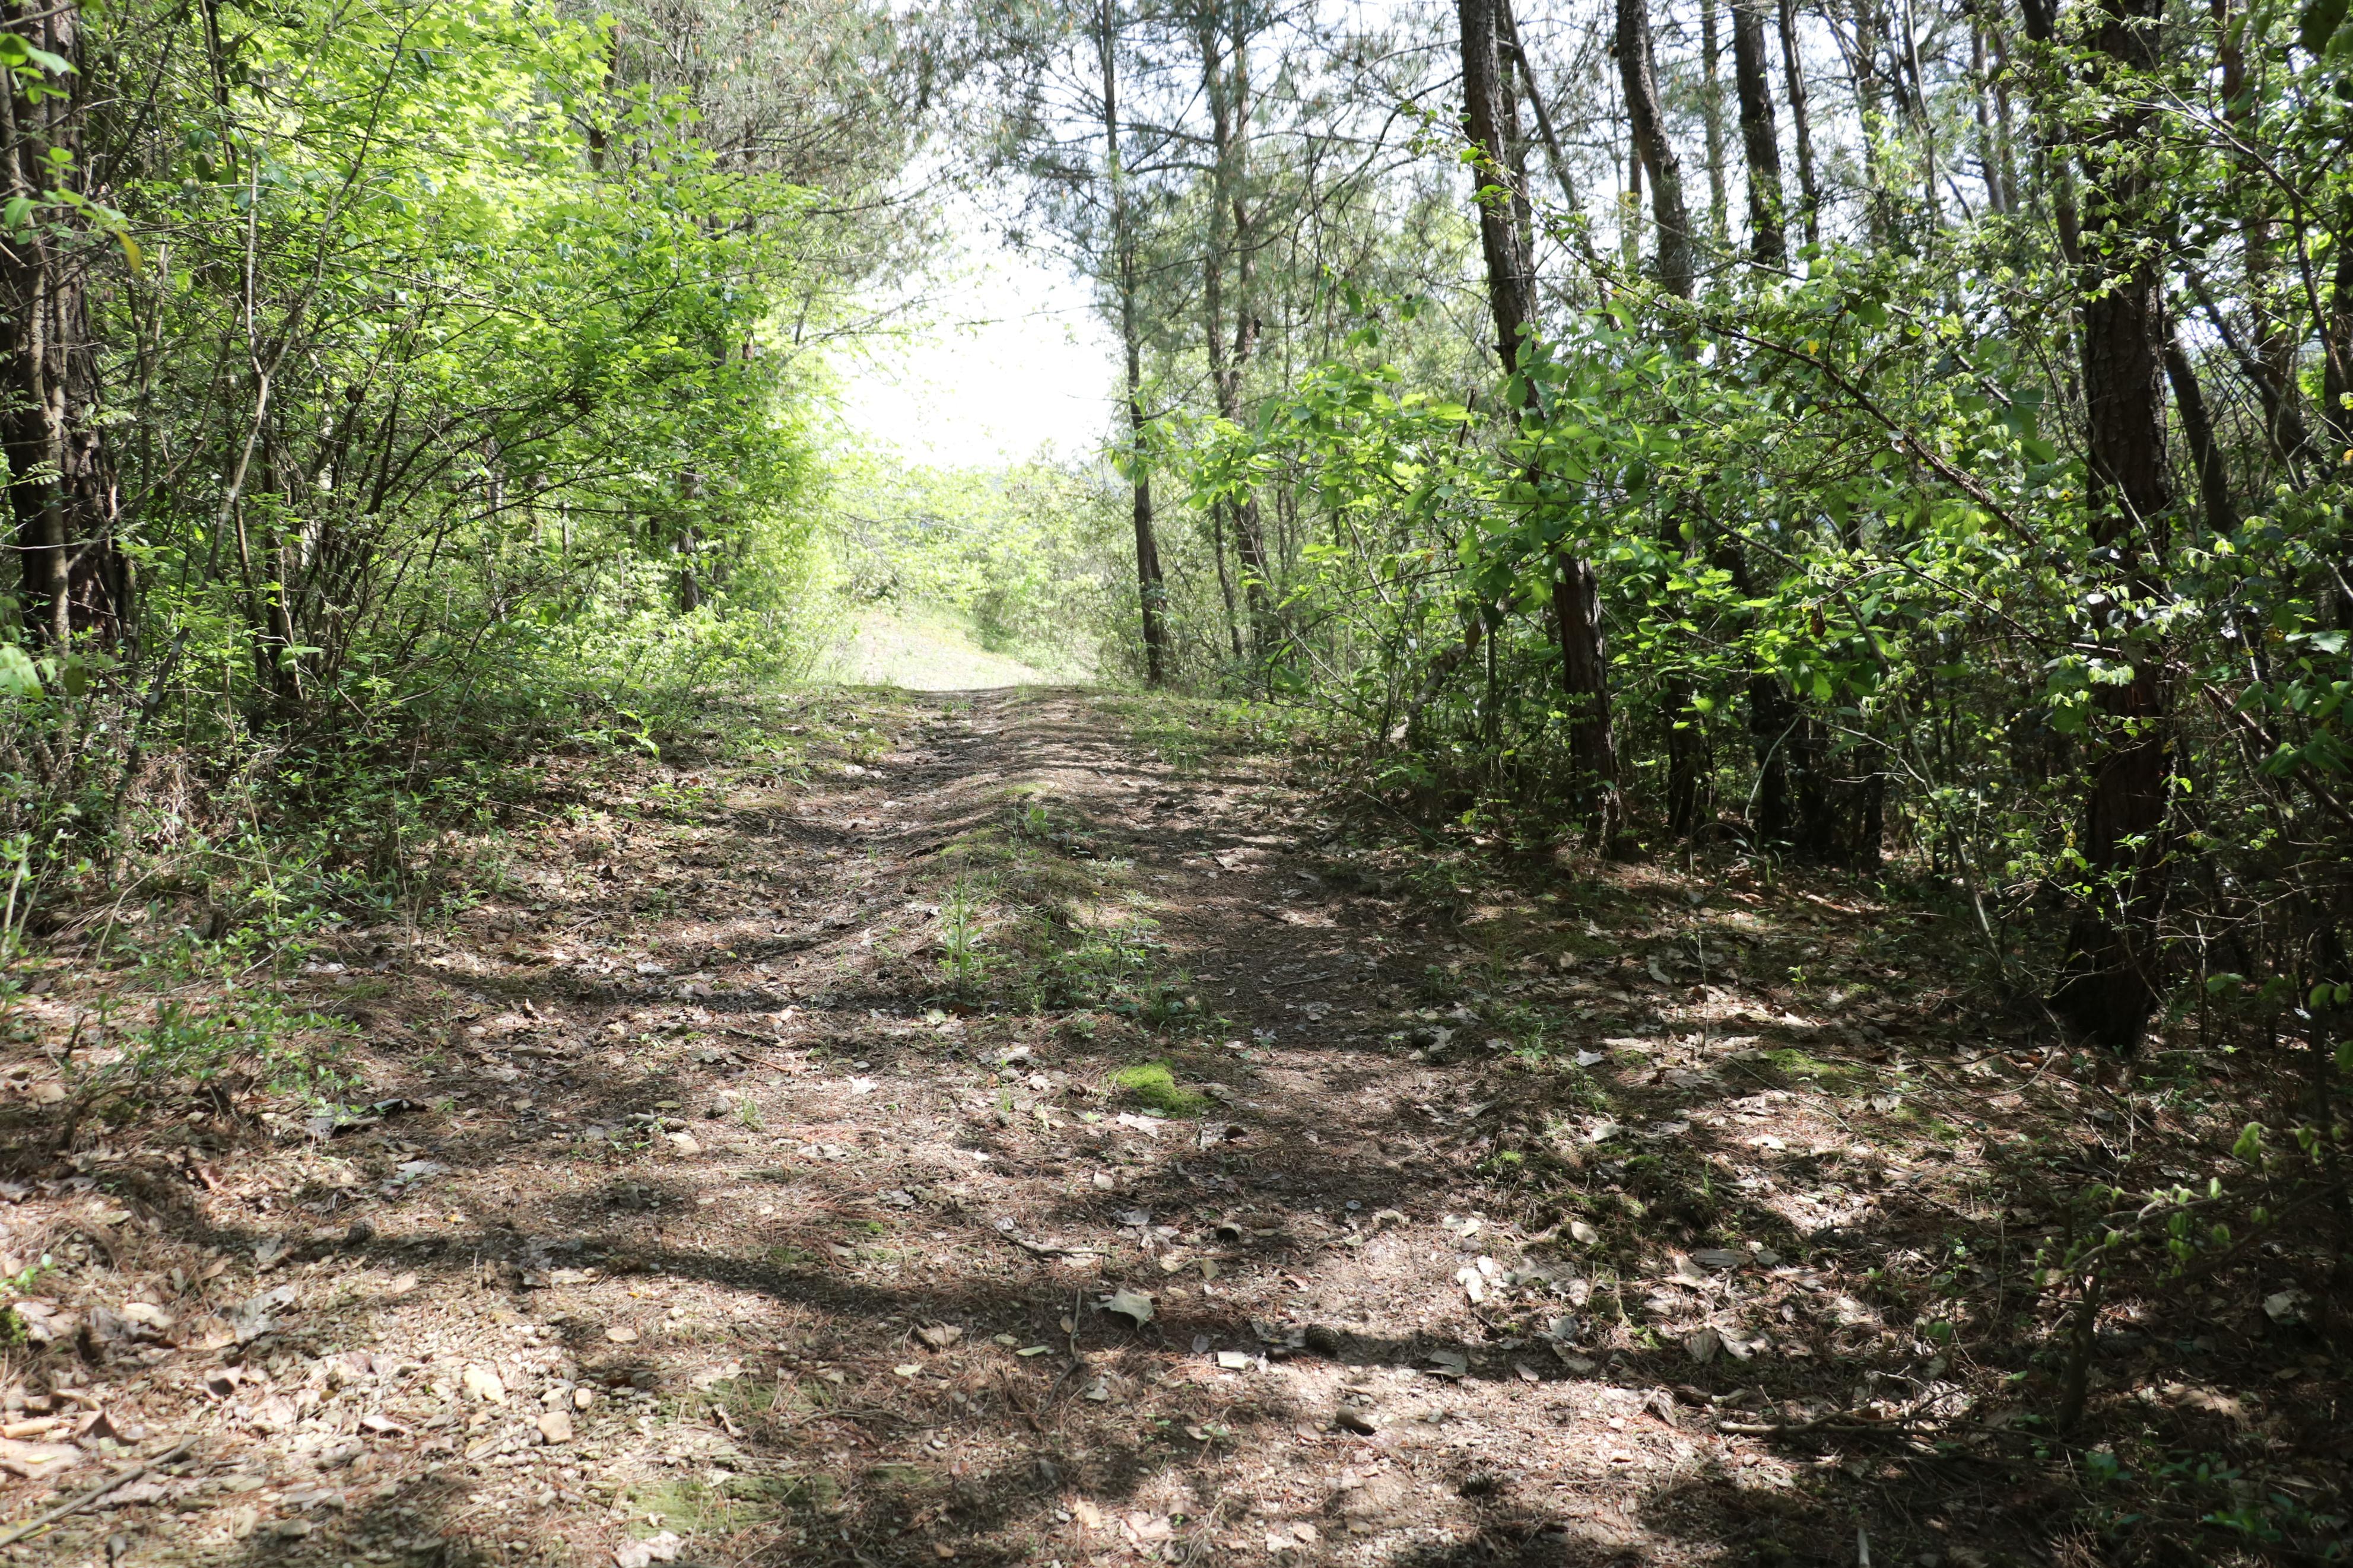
{"points": [[1648, 858]]}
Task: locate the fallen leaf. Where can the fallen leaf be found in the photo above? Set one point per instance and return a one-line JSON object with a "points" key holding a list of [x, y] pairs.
{"points": [[939, 1336], [1702, 1346], [1131, 1304], [1584, 1235]]}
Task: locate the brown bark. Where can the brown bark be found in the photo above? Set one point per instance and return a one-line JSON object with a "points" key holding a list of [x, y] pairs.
{"points": [[1640, 79], [2337, 347], [1801, 125], [1712, 102], [1511, 283], [1760, 140], [1511, 298], [1584, 686], [2109, 987], [1152, 591], [2205, 451], [1226, 82], [62, 498]]}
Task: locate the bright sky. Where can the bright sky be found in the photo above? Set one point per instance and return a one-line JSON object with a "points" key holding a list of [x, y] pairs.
{"points": [[1009, 358]]}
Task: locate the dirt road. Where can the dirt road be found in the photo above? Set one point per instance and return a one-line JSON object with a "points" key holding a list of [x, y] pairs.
{"points": [[1032, 1136]]}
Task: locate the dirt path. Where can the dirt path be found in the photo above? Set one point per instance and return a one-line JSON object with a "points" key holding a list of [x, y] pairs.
{"points": [[753, 1178]]}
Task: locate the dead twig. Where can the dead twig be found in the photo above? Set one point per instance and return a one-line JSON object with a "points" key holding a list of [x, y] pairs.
{"points": [[75, 1505]]}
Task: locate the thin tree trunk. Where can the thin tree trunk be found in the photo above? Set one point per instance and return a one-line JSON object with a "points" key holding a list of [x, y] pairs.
{"points": [[1553, 158], [1511, 298], [1793, 78], [1152, 591], [1641, 81], [1760, 139], [1225, 83], [2197, 430], [62, 498], [1719, 223]]}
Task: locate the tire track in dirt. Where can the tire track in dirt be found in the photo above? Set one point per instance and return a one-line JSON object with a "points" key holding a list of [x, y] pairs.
{"points": [[742, 1230]]}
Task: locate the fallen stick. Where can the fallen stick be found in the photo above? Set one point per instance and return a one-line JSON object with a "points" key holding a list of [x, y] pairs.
{"points": [[96, 1492]]}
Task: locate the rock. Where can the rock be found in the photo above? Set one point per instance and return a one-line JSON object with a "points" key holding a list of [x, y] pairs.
{"points": [[686, 1146], [582, 1397], [480, 1382], [555, 1428], [37, 1461], [621, 1334], [662, 1548], [1351, 1419]]}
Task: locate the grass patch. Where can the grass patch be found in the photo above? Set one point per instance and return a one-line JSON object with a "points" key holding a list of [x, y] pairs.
{"points": [[1154, 1085], [1792, 1063]]}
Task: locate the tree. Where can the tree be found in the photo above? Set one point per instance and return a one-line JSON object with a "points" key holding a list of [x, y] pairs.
{"points": [[62, 494], [2110, 985]]}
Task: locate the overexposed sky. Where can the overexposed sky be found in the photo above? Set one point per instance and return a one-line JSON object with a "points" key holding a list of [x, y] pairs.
{"points": [[1006, 357]]}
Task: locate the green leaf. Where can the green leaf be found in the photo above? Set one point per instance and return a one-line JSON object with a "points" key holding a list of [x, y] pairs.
{"points": [[2319, 22], [18, 678]]}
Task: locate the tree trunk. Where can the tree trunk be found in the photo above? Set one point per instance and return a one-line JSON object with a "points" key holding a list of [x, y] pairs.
{"points": [[1801, 126], [1641, 82], [2109, 987], [2205, 451], [62, 498], [1226, 84], [1760, 140], [1152, 590], [2336, 345], [1712, 102], [1511, 283], [1510, 297], [1584, 687]]}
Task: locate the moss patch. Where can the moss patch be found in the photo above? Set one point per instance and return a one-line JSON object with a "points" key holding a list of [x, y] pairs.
{"points": [[1151, 1084]]}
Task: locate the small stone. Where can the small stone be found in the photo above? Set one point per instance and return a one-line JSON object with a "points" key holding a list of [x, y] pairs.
{"points": [[581, 1398], [555, 1428], [621, 1334], [480, 1382], [684, 1143]]}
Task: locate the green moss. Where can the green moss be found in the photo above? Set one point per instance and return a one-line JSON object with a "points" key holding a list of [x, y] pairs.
{"points": [[1793, 1063], [1154, 1085]]}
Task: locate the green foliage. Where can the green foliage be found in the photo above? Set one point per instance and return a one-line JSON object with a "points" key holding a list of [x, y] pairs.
{"points": [[1024, 555]]}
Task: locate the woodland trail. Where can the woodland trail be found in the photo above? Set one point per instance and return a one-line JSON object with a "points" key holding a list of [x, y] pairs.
{"points": [[749, 1183]]}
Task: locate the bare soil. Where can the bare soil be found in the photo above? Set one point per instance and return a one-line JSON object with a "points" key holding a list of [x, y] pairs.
{"points": [[1042, 1134]]}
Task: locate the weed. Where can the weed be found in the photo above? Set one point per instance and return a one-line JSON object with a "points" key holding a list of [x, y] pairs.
{"points": [[960, 933]]}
